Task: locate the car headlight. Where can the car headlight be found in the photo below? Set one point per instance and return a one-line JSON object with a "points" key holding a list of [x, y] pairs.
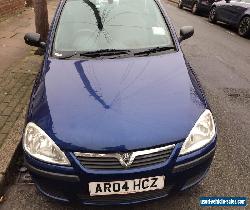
{"points": [[201, 134], [39, 145]]}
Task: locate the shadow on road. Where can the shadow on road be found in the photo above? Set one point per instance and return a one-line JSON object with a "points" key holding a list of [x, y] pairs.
{"points": [[230, 29]]}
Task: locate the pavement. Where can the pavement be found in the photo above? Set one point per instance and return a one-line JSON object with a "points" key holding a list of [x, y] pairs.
{"points": [[221, 60], [19, 66]]}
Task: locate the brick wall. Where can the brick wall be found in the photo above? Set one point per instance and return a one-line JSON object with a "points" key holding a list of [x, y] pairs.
{"points": [[10, 6]]}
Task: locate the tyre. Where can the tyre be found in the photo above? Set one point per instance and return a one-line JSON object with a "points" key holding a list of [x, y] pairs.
{"points": [[244, 27], [195, 8], [180, 5], [212, 15]]}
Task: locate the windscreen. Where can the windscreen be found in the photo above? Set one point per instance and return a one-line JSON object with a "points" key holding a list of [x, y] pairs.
{"points": [[92, 25]]}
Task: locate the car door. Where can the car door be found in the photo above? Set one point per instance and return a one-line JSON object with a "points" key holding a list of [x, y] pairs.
{"points": [[225, 12], [221, 11], [240, 7], [188, 3], [184, 2], [235, 9]]}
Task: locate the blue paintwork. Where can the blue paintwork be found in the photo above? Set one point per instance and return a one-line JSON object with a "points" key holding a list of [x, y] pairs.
{"points": [[116, 105]]}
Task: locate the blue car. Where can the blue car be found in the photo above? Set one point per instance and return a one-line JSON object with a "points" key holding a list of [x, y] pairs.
{"points": [[116, 115]]}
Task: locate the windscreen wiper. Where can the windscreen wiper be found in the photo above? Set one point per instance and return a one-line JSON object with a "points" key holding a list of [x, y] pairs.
{"points": [[154, 50], [66, 55], [91, 54], [105, 52], [110, 52]]}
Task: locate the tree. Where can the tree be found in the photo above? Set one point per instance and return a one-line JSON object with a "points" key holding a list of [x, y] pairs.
{"points": [[41, 18]]}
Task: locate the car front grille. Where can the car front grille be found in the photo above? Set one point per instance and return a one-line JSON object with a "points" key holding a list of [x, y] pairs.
{"points": [[126, 160]]}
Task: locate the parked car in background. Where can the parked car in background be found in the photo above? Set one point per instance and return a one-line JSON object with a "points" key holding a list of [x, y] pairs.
{"points": [[234, 13], [196, 6], [116, 115]]}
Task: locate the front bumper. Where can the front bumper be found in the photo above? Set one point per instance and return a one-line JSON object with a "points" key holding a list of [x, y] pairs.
{"points": [[71, 183]]}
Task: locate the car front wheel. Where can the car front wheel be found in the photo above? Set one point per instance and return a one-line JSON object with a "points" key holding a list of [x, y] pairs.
{"points": [[195, 8], [212, 15], [180, 5], [244, 27]]}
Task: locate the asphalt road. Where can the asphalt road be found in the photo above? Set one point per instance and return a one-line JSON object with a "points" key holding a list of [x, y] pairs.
{"points": [[221, 60]]}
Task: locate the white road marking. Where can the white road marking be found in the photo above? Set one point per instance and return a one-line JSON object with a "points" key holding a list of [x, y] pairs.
{"points": [[220, 59]]}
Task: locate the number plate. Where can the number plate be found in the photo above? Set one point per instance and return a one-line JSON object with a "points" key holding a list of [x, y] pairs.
{"points": [[126, 186]]}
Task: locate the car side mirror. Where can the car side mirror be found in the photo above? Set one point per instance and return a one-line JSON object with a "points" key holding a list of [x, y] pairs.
{"points": [[186, 32], [34, 39]]}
